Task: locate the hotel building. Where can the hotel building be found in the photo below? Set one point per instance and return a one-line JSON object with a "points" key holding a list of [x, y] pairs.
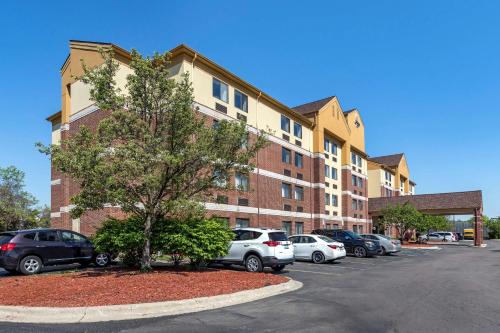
{"points": [[312, 174]]}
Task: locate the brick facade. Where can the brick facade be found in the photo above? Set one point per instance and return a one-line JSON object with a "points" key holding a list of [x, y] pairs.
{"points": [[263, 205]]}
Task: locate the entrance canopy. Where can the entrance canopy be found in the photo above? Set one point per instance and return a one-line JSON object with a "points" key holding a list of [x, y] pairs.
{"points": [[453, 203]]}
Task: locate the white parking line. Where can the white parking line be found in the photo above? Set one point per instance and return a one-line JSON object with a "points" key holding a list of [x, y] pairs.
{"points": [[313, 272]]}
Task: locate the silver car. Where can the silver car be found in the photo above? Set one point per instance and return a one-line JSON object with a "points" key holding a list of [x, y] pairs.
{"points": [[387, 244]]}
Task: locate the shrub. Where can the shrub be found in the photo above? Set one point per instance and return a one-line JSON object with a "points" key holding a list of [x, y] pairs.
{"points": [[200, 240], [124, 238], [197, 239]]}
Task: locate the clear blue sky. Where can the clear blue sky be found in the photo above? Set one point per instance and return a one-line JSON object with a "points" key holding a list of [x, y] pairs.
{"points": [[425, 75]]}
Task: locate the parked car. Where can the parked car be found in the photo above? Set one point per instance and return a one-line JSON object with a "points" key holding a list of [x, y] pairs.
{"points": [[317, 248], [438, 237], [27, 251], [353, 242], [256, 248], [387, 245]]}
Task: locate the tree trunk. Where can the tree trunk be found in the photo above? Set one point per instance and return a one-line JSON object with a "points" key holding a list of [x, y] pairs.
{"points": [[146, 252]]}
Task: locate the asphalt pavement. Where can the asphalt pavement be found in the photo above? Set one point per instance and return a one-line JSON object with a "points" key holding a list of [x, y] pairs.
{"points": [[454, 289]]}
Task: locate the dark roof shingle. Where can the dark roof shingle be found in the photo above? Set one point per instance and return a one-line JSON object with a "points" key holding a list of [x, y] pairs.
{"points": [[452, 201], [389, 160], [312, 106]]}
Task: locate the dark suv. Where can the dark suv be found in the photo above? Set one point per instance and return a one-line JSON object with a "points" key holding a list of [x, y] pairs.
{"points": [[27, 251], [353, 242]]}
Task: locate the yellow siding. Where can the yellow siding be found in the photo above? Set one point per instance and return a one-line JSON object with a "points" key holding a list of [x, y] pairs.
{"points": [[260, 114]]}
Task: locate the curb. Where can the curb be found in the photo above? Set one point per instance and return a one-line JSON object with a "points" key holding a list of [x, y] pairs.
{"points": [[92, 314], [422, 248]]}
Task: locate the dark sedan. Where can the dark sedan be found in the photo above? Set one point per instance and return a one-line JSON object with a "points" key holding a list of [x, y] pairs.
{"points": [[27, 251]]}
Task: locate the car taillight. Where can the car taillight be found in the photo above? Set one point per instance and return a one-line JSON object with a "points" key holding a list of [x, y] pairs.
{"points": [[271, 243], [333, 246], [8, 247]]}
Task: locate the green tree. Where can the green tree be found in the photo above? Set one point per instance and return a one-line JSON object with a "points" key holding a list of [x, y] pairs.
{"points": [[428, 223], [17, 206], [153, 156], [402, 217], [493, 226]]}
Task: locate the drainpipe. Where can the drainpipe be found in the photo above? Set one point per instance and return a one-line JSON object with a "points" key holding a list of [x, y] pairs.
{"points": [[257, 157]]}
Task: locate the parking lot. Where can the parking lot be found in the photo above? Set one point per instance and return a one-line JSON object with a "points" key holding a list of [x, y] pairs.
{"points": [[454, 289]]}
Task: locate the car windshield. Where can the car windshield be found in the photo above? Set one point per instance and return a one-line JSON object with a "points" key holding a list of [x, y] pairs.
{"points": [[326, 239], [352, 234], [277, 236], [5, 238]]}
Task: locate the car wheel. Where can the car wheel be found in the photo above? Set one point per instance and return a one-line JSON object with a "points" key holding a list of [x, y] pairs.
{"points": [[31, 265], [278, 268], [382, 251], [359, 251], [253, 264], [318, 257], [101, 260]]}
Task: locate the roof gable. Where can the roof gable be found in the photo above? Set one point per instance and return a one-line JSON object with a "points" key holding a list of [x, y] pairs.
{"points": [[389, 160], [312, 107]]}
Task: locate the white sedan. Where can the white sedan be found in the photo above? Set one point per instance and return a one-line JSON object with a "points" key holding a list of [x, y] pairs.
{"points": [[316, 248]]}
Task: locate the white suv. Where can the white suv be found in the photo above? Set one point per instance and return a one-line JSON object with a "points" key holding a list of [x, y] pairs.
{"points": [[256, 248]]}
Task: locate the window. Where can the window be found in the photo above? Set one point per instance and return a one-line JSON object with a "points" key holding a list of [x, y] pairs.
{"points": [[219, 179], [248, 235], [242, 223], [241, 100], [299, 228], [360, 228], [286, 190], [354, 204], [327, 145], [285, 124], [355, 228], [360, 205], [287, 227], [360, 182], [28, 236], [335, 200], [334, 173], [334, 148], [48, 236], [215, 124], [388, 193], [299, 160], [327, 171], [335, 226], [67, 236], [388, 176], [241, 117], [356, 159], [219, 90], [299, 193], [297, 130], [354, 181], [327, 199], [222, 199], [242, 202], [241, 181], [286, 155], [223, 220]]}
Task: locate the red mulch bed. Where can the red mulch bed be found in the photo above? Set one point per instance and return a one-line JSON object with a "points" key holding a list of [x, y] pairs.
{"points": [[118, 286]]}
